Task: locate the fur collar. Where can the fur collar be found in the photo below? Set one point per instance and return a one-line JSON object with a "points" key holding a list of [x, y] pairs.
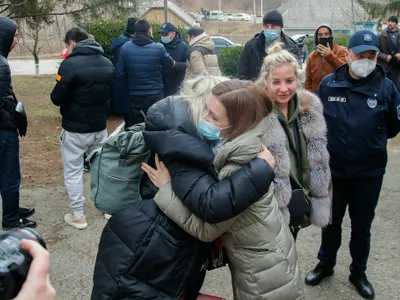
{"points": [[313, 126]]}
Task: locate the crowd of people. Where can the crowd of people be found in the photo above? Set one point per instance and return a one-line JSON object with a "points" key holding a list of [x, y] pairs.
{"points": [[238, 167]]}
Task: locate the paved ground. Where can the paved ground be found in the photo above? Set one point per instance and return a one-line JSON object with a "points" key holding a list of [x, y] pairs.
{"points": [[73, 252], [27, 67]]}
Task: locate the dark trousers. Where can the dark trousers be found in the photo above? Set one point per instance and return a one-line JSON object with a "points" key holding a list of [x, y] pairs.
{"points": [[10, 176], [362, 197], [138, 104]]}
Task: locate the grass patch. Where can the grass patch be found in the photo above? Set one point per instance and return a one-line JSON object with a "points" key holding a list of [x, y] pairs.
{"points": [[34, 92]]}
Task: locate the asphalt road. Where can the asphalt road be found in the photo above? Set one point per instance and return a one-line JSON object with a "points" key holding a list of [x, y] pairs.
{"points": [[27, 66]]}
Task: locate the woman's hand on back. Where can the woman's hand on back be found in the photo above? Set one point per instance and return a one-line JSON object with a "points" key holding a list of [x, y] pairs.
{"points": [[266, 155], [160, 176]]}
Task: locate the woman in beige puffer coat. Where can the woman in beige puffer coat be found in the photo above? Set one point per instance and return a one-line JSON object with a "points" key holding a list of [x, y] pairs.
{"points": [[202, 59], [260, 248]]}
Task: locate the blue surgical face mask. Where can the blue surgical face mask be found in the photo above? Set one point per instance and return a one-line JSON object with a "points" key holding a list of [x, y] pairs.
{"points": [[271, 34], [209, 131], [166, 39]]}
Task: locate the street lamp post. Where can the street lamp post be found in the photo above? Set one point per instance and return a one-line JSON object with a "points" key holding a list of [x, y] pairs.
{"points": [[165, 10], [255, 12]]}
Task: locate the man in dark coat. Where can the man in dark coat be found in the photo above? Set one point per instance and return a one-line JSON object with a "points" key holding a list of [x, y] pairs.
{"points": [[179, 51], [10, 173], [255, 50], [362, 111], [139, 67], [120, 93], [389, 46], [83, 89]]}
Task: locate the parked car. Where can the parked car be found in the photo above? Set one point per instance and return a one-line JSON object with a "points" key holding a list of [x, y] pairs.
{"points": [[240, 17], [301, 38], [222, 43]]}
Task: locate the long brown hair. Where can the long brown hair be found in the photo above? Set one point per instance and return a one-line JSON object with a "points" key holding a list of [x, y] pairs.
{"points": [[245, 102]]}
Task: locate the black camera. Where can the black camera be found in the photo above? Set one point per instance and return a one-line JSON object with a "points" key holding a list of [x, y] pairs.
{"points": [[14, 261]]}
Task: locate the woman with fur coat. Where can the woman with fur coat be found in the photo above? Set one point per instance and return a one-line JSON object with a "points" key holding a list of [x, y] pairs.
{"points": [[296, 136]]}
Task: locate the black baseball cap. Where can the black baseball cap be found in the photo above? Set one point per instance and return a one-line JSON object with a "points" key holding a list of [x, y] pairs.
{"points": [[167, 27], [363, 40]]}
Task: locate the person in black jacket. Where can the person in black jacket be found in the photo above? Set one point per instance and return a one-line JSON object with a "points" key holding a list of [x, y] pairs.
{"points": [[179, 51], [83, 89], [120, 92], [256, 49], [139, 66], [362, 111], [10, 173], [142, 253]]}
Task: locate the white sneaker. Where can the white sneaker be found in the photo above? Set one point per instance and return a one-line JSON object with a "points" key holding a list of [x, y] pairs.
{"points": [[78, 223], [107, 216]]}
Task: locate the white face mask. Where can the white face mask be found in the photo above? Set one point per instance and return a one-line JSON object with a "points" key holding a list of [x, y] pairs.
{"points": [[363, 67]]}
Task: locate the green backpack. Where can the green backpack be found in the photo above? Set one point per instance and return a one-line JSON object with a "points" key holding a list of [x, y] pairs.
{"points": [[115, 169]]}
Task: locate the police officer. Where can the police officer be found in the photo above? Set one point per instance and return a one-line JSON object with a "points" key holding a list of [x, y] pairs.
{"points": [[362, 110]]}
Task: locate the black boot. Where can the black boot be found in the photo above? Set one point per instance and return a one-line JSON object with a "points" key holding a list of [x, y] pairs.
{"points": [[26, 212], [23, 223], [320, 272], [363, 286]]}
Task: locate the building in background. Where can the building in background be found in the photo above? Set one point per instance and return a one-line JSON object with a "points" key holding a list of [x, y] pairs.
{"points": [[344, 16], [154, 12]]}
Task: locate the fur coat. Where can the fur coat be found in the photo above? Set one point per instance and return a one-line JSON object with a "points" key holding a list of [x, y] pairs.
{"points": [[313, 126]]}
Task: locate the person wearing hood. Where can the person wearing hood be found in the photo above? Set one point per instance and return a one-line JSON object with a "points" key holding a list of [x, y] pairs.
{"points": [[255, 50], [179, 51], [325, 59], [362, 111], [202, 59], [120, 104], [140, 68], [389, 46], [10, 173], [83, 89]]}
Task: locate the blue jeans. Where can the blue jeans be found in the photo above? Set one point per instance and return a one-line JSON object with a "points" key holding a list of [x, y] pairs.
{"points": [[10, 176]]}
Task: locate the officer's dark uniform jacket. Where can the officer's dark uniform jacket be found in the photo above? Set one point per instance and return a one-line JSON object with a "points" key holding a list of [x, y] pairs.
{"points": [[143, 254], [7, 100], [84, 88], [361, 115]]}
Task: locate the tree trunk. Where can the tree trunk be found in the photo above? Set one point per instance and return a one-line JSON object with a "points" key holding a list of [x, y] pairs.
{"points": [[36, 57]]}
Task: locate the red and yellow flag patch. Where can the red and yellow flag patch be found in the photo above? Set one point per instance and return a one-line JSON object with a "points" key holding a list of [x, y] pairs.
{"points": [[58, 77]]}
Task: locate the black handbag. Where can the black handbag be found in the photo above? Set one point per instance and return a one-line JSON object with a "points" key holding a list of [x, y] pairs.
{"points": [[217, 257], [299, 205]]}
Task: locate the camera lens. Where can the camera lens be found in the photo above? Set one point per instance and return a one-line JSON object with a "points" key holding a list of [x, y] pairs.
{"points": [[14, 261]]}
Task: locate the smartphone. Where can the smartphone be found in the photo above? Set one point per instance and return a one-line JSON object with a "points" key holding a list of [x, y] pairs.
{"points": [[326, 41]]}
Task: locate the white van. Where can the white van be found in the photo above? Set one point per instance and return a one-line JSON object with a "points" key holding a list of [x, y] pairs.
{"points": [[215, 15]]}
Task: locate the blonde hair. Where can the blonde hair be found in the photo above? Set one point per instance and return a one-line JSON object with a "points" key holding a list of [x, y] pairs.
{"points": [[277, 57], [196, 91]]}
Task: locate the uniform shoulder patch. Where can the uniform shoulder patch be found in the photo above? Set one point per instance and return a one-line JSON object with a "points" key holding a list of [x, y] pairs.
{"points": [[58, 77], [372, 103]]}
